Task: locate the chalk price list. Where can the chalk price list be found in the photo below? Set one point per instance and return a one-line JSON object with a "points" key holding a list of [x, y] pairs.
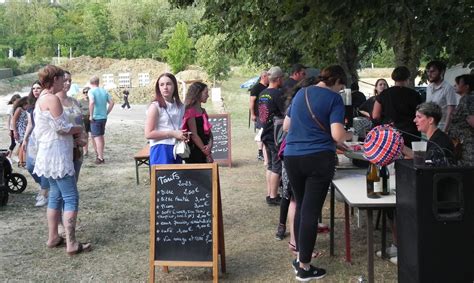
{"points": [[219, 131], [183, 212]]}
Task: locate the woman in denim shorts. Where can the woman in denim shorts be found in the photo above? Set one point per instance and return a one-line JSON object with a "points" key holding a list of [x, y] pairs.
{"points": [[54, 160]]}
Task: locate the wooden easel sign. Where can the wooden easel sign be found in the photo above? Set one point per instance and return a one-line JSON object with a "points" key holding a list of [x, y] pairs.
{"points": [[186, 225]]}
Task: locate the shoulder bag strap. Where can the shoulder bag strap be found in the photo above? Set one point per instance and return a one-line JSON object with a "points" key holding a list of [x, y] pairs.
{"points": [[311, 111], [171, 120]]}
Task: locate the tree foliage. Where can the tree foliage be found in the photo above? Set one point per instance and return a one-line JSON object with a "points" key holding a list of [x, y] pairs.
{"points": [[320, 32], [106, 28], [212, 57], [179, 52]]}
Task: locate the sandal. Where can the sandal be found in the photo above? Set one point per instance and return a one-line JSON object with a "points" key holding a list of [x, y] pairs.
{"points": [[292, 248], [82, 247], [60, 243]]}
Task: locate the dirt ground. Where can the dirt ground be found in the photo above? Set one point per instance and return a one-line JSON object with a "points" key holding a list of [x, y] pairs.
{"points": [[114, 217]]}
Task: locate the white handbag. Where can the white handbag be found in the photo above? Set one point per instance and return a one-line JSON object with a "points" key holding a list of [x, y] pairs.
{"points": [[181, 148]]}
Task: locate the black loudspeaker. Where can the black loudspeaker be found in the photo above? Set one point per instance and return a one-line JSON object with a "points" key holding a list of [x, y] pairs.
{"points": [[435, 223]]}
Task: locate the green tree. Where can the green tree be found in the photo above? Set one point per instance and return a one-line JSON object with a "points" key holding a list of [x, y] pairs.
{"points": [[179, 52], [212, 58], [434, 29]]}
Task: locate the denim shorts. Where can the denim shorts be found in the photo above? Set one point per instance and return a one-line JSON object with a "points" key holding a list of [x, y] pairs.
{"points": [[63, 194], [98, 127]]}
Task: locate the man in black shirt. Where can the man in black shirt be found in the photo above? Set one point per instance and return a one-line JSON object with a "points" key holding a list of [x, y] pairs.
{"points": [[254, 93], [271, 104], [298, 72]]}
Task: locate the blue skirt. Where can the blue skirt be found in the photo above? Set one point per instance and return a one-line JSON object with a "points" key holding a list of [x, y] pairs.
{"points": [[163, 154]]}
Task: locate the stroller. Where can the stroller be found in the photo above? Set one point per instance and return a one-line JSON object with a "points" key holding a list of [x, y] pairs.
{"points": [[10, 182]]}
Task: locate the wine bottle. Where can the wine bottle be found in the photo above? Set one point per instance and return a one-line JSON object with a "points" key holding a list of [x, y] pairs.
{"points": [[378, 182], [385, 176], [372, 176]]}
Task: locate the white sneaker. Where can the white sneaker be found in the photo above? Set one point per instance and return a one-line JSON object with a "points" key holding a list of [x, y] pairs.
{"points": [[390, 251], [394, 260], [42, 201]]}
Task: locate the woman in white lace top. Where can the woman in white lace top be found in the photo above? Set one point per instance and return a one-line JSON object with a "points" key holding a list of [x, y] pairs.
{"points": [[54, 160], [72, 110]]}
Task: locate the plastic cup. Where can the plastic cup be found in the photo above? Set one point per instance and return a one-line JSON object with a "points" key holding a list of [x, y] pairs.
{"points": [[419, 152]]}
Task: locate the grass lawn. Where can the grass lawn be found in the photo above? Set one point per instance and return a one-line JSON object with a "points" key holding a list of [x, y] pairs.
{"points": [[114, 217]]}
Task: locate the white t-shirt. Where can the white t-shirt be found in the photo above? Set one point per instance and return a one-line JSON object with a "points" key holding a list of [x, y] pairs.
{"points": [[444, 95]]}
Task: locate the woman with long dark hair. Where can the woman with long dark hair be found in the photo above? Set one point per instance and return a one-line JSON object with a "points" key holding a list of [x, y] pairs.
{"points": [[30, 146], [163, 120], [366, 108], [20, 121], [315, 121], [196, 121]]}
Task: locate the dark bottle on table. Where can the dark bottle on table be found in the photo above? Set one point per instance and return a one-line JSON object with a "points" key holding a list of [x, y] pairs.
{"points": [[385, 175], [372, 177]]}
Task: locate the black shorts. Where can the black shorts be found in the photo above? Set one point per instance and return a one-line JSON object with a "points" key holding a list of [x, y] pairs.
{"points": [[274, 161]]}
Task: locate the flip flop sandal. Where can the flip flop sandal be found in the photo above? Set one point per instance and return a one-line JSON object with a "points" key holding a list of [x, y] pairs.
{"points": [[59, 244], [83, 247]]}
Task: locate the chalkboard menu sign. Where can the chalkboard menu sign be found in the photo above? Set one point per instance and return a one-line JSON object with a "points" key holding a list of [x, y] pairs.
{"points": [[185, 216], [221, 132]]}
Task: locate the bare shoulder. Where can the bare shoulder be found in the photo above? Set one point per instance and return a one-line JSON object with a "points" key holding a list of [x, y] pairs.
{"points": [[153, 109]]}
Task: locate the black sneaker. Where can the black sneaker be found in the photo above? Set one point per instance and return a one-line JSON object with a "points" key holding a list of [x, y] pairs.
{"points": [[295, 264], [268, 200], [274, 201], [312, 273], [260, 157], [280, 234]]}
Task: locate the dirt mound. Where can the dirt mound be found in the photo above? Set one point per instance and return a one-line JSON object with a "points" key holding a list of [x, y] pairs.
{"points": [[83, 64], [83, 67]]}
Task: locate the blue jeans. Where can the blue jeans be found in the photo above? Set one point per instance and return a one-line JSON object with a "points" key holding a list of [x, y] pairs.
{"points": [[42, 181], [63, 194]]}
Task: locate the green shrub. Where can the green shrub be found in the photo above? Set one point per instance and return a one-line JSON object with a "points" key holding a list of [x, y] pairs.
{"points": [[11, 64]]}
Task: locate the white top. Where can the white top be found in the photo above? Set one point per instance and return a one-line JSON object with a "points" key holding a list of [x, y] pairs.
{"points": [[54, 156], [163, 122], [444, 95], [352, 186]]}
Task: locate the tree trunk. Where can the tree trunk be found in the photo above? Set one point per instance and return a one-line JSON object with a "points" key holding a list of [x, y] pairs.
{"points": [[407, 50], [348, 57]]}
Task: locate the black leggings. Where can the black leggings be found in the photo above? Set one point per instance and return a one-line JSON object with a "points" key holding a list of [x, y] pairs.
{"points": [[284, 205], [310, 176], [12, 141]]}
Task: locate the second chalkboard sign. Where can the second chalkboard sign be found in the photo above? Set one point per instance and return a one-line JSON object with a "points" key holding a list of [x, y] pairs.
{"points": [[221, 132]]}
